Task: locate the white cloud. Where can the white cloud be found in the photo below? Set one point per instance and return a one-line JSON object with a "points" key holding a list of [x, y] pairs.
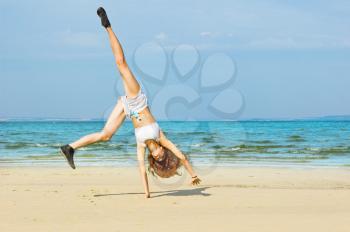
{"points": [[210, 34], [83, 39], [274, 42], [205, 33], [301, 41], [274, 24], [161, 36]]}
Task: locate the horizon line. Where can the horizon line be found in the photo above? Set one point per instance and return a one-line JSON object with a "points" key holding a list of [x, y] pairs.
{"points": [[325, 117]]}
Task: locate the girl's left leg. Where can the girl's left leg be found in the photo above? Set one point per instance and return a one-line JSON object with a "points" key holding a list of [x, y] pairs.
{"points": [[114, 121]]}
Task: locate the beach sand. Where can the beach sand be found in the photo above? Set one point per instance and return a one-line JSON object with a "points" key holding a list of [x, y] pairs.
{"points": [[229, 199]]}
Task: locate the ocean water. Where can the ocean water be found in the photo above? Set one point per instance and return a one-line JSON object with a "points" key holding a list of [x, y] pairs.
{"points": [[258, 143]]}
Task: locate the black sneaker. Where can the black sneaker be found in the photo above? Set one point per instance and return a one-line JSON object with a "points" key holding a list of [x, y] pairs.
{"points": [[68, 152], [103, 15]]}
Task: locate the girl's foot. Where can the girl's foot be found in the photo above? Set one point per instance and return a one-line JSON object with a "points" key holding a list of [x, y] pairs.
{"points": [[103, 15], [68, 152]]}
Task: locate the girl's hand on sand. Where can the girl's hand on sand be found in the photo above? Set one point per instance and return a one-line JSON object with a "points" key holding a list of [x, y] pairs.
{"points": [[147, 195], [195, 180]]}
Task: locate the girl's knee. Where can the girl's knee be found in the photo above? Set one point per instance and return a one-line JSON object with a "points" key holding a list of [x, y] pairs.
{"points": [[105, 136]]}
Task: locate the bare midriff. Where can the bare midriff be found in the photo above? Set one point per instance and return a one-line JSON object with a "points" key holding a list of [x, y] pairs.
{"points": [[145, 118]]}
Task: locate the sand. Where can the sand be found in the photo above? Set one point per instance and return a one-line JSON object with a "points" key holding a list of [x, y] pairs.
{"points": [[229, 199]]}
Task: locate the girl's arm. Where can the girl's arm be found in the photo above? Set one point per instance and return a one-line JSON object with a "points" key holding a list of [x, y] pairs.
{"points": [[164, 141], [141, 160]]}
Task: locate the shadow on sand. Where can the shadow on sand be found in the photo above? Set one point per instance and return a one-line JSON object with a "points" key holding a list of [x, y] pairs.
{"points": [[183, 192]]}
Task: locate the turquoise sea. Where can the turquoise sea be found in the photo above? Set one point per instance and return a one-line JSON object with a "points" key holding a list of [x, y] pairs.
{"points": [[229, 143]]}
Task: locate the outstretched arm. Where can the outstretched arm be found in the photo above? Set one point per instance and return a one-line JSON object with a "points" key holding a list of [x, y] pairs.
{"points": [[141, 160], [164, 141]]}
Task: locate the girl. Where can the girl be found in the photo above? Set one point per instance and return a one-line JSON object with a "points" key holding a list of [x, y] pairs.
{"points": [[164, 157]]}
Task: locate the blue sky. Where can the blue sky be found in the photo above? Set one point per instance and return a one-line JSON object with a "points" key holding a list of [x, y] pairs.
{"points": [[292, 57]]}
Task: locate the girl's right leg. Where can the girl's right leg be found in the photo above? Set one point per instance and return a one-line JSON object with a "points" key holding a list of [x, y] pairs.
{"points": [[131, 86], [114, 121]]}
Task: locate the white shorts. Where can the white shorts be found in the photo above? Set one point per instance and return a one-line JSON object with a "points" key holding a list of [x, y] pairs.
{"points": [[150, 131], [132, 106]]}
